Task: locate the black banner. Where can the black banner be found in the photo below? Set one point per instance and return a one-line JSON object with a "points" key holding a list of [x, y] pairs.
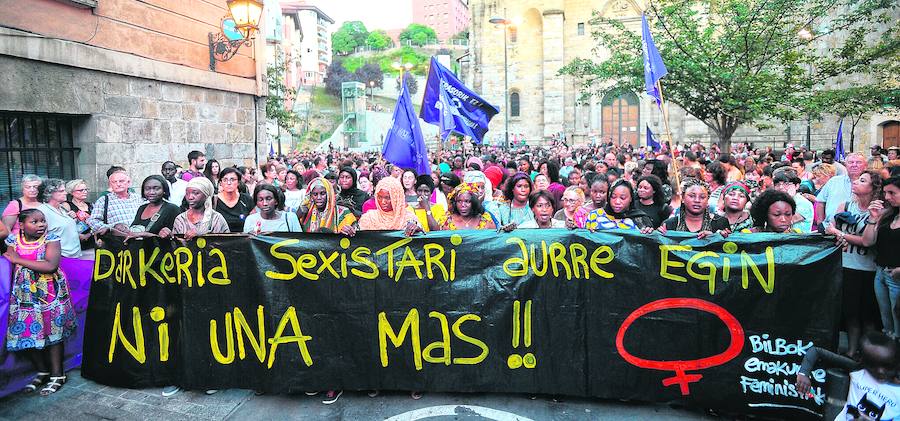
{"points": [[717, 323]]}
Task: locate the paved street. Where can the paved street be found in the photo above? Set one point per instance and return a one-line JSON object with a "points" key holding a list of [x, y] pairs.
{"points": [[81, 399]]}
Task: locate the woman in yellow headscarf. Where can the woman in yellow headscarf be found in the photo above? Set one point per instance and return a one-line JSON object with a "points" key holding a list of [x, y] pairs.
{"points": [[323, 213], [391, 211]]}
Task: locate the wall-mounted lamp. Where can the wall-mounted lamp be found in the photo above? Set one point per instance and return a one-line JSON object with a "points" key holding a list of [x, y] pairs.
{"points": [[238, 28]]}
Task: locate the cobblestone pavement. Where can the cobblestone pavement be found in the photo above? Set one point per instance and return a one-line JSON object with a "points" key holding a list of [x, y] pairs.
{"points": [[81, 399]]}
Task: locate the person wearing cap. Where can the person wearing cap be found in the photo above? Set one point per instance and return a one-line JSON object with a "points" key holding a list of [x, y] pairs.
{"points": [[786, 180], [876, 161]]}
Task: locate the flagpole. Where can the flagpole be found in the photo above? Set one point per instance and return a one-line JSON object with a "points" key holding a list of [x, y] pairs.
{"points": [[665, 110]]}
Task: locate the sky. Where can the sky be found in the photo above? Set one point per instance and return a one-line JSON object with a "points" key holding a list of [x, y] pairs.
{"points": [[375, 14]]}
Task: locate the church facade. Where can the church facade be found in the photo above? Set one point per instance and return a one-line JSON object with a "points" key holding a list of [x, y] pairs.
{"points": [[548, 34]]}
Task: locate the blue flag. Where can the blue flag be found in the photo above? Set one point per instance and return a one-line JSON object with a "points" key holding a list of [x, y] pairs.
{"points": [[271, 150], [404, 145], [654, 69], [839, 142], [651, 141], [452, 106]]}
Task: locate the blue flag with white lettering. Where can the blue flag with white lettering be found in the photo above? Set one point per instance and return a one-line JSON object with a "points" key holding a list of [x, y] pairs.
{"points": [[839, 142], [453, 107], [404, 145], [654, 69], [651, 141]]}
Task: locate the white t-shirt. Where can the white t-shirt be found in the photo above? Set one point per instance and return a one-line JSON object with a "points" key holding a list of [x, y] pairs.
{"points": [[835, 192], [65, 228], [293, 199], [532, 224], [880, 401], [286, 222], [176, 192]]}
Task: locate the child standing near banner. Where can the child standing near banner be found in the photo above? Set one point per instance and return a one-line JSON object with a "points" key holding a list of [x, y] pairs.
{"points": [[41, 315]]}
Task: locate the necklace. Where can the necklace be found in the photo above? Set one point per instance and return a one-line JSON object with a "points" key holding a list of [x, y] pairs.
{"points": [[467, 224]]}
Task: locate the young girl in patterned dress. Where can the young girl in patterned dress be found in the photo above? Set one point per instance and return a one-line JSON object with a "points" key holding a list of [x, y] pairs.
{"points": [[41, 315]]}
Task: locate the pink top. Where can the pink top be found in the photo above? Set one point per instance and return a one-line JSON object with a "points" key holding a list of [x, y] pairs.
{"points": [[13, 209]]}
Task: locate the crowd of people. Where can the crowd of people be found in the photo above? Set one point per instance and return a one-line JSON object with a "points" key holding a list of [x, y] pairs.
{"points": [[688, 188]]}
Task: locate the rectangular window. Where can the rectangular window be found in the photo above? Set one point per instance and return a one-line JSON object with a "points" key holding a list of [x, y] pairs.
{"points": [[32, 143], [580, 28]]}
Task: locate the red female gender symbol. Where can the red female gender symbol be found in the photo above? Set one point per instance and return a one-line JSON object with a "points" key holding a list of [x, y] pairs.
{"points": [[680, 378]]}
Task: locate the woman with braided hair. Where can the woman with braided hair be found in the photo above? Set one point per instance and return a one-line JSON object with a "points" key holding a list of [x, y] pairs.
{"points": [[694, 215]]}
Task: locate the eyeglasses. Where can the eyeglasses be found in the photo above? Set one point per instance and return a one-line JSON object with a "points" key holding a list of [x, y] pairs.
{"points": [[229, 180], [567, 200], [29, 187], [84, 190]]}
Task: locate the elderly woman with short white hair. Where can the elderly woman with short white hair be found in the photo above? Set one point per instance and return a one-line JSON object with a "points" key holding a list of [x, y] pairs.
{"points": [[29, 200]]}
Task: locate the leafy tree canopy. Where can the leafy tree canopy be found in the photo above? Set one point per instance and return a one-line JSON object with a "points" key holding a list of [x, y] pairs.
{"points": [[279, 92], [738, 62], [418, 34], [379, 40], [350, 35]]}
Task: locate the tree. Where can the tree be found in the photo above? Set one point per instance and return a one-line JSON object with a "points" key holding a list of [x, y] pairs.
{"points": [[279, 92], [350, 35], [378, 40], [418, 34], [370, 72], [411, 84], [461, 35], [852, 104], [336, 75], [741, 62]]}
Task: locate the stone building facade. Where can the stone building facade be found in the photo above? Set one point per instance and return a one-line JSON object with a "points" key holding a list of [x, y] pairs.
{"points": [[548, 34], [85, 85]]}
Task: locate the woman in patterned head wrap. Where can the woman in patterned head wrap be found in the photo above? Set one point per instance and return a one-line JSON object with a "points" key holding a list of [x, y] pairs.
{"points": [[733, 203], [323, 213], [200, 218], [391, 211], [694, 215]]}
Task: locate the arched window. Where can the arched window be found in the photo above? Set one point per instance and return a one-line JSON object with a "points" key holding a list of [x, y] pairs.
{"points": [[514, 104], [621, 117]]}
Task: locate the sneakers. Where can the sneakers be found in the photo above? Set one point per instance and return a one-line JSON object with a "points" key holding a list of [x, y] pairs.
{"points": [[311, 393], [212, 391], [332, 396], [170, 390], [372, 393], [415, 395]]}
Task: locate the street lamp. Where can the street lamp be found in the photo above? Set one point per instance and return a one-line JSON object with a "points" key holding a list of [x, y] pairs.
{"points": [[401, 70], [505, 23], [237, 28], [372, 92], [807, 35]]}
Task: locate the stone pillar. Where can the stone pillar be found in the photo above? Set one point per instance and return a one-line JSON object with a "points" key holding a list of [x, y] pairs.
{"points": [[554, 86]]}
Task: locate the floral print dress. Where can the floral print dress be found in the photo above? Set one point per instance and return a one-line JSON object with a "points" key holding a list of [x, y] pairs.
{"points": [[41, 313]]}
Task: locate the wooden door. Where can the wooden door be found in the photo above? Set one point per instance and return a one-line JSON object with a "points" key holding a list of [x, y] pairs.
{"points": [[621, 117], [891, 134]]}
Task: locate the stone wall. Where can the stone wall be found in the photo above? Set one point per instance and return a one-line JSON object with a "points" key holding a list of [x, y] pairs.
{"points": [[135, 122]]}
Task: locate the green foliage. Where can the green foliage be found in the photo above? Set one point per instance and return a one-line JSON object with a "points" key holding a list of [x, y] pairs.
{"points": [[350, 35], [387, 61], [741, 62], [379, 40], [279, 92], [462, 35], [418, 34]]}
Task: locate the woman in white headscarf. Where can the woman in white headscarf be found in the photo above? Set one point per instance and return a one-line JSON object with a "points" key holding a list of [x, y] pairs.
{"points": [[482, 182], [200, 218]]}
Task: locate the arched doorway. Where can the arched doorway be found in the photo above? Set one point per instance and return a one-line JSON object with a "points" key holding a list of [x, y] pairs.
{"points": [[620, 117], [890, 134]]}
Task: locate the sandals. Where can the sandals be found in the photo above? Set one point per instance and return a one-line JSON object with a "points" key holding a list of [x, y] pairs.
{"points": [[39, 379], [55, 384]]}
